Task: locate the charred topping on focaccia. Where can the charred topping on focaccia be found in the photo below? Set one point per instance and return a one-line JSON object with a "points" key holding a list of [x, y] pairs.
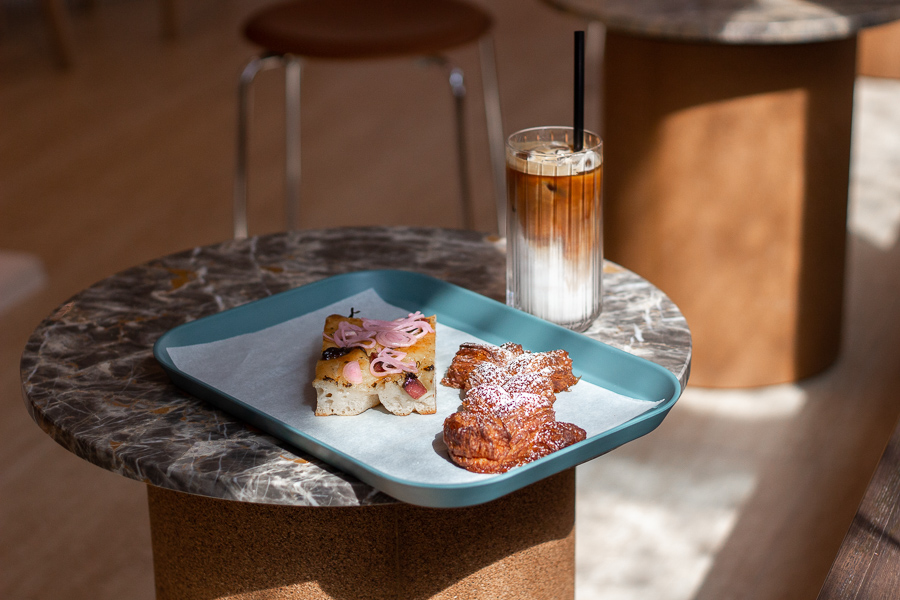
{"points": [[335, 352], [413, 386], [429, 368]]}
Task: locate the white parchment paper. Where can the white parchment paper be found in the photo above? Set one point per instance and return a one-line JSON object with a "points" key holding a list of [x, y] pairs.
{"points": [[272, 370]]}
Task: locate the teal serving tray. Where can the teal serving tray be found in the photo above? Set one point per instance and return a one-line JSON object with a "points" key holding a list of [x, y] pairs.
{"points": [[595, 362]]}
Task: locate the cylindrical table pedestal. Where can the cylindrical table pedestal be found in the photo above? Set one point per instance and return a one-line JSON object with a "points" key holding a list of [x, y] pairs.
{"points": [[879, 51], [727, 174], [521, 546]]}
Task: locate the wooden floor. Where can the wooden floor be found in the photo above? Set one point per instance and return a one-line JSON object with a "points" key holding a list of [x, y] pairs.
{"points": [[129, 155]]}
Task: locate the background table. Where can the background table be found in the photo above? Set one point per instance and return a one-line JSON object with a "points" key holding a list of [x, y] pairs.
{"points": [[727, 155], [866, 565], [91, 382]]}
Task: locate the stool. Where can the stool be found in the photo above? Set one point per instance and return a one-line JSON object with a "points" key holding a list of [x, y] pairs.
{"points": [[356, 30]]}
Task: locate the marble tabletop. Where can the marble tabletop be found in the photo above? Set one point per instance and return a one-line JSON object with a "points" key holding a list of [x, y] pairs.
{"points": [[737, 21], [90, 380]]}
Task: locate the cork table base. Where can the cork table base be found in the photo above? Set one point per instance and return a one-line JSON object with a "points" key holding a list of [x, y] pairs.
{"points": [[727, 174], [519, 547], [878, 51]]}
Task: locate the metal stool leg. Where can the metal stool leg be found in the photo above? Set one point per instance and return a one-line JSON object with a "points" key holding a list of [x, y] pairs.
{"points": [[458, 89], [456, 78], [57, 17], [170, 15], [494, 126], [292, 70], [244, 110], [594, 63]]}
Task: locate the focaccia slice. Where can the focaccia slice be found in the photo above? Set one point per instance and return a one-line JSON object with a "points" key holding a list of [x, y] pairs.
{"points": [[400, 393]]}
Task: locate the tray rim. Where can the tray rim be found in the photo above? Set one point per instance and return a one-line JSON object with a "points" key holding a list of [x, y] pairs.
{"points": [[431, 495]]}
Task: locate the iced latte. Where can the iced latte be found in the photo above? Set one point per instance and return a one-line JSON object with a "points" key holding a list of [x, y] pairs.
{"points": [[554, 225]]}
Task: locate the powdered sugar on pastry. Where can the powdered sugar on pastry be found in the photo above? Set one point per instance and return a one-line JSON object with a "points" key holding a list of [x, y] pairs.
{"points": [[507, 417]]}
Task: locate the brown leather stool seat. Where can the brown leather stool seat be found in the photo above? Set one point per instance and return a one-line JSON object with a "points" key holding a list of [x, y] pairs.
{"points": [[350, 29], [366, 29]]}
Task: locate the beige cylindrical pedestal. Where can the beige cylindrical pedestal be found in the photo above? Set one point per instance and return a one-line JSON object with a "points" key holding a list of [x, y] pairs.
{"points": [[879, 51], [521, 547], [727, 178]]}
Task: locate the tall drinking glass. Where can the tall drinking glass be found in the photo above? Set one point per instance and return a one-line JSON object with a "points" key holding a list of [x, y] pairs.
{"points": [[554, 227]]}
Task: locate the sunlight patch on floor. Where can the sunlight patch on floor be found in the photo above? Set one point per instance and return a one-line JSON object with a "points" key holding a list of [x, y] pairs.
{"points": [[752, 404], [874, 210], [646, 530]]}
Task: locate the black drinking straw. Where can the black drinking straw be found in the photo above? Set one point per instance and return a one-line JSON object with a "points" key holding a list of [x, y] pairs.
{"points": [[579, 91]]}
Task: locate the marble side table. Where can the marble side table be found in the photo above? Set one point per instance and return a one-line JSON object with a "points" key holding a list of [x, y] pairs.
{"points": [[237, 514], [727, 151]]}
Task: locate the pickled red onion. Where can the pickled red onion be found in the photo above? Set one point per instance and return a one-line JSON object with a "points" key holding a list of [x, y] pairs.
{"points": [[347, 335], [352, 372], [414, 323], [398, 333], [395, 339], [390, 361]]}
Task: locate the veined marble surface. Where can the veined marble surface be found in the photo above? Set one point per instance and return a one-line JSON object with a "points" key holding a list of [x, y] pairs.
{"points": [[91, 382], [737, 21]]}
